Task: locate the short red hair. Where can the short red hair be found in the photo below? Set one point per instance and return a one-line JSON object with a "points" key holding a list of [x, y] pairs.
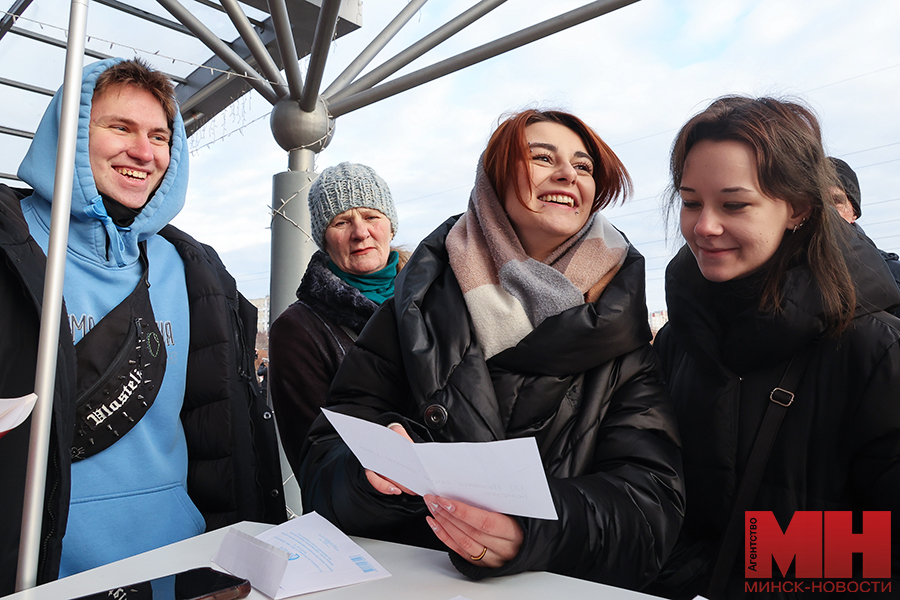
{"points": [[507, 152]]}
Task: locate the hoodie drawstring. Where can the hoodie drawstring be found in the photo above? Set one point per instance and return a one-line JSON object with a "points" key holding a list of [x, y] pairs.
{"points": [[96, 210]]}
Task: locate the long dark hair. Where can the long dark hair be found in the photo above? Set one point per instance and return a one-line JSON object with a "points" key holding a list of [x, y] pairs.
{"points": [[792, 166]]}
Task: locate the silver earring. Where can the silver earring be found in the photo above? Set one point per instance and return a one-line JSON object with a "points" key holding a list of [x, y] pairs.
{"points": [[576, 212]]}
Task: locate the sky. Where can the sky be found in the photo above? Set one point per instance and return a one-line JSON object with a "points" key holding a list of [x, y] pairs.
{"points": [[635, 75]]}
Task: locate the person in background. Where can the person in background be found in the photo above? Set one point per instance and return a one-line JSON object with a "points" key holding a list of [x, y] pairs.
{"points": [[155, 406], [524, 317], [848, 200], [263, 374], [770, 287], [353, 223]]}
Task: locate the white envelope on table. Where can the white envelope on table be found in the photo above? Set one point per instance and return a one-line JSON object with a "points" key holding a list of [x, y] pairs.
{"points": [[302, 555]]}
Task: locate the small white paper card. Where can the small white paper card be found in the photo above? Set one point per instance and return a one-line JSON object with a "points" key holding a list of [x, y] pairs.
{"points": [[14, 411], [505, 476], [262, 564], [303, 555]]}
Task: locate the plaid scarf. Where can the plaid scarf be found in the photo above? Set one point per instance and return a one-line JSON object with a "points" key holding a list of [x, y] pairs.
{"points": [[507, 292]]}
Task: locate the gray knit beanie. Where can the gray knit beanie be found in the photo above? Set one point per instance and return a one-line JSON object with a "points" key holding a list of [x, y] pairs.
{"points": [[346, 186]]}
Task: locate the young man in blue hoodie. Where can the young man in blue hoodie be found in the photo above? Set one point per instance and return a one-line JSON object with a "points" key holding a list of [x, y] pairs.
{"points": [[170, 436]]}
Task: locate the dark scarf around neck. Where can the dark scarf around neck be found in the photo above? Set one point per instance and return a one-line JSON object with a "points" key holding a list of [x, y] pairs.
{"points": [[377, 286], [123, 216]]}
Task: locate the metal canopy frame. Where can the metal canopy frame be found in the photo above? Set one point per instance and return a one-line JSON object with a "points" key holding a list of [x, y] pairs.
{"points": [[212, 86], [303, 118], [303, 122]]}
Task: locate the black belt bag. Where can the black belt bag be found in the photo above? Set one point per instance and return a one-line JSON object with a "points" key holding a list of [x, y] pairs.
{"points": [[121, 363]]}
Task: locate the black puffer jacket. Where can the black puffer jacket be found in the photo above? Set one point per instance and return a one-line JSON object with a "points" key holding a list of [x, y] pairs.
{"points": [[307, 343], [22, 265], [233, 469], [233, 472], [893, 263], [584, 383], [839, 444]]}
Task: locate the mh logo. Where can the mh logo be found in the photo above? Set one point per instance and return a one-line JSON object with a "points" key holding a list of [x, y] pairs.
{"points": [[822, 542]]}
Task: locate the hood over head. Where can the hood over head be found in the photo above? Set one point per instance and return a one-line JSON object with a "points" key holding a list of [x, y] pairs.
{"points": [[91, 224]]}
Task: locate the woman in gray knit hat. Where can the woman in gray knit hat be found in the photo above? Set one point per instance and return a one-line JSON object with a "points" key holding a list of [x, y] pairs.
{"points": [[353, 223]]}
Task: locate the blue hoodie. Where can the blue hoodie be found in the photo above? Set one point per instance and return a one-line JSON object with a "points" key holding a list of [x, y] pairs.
{"points": [[131, 497]]}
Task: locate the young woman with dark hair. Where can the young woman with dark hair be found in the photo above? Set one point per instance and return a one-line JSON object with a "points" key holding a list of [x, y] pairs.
{"points": [[772, 286]]}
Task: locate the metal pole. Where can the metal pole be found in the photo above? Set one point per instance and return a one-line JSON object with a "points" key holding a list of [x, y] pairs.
{"points": [[428, 42], [7, 20], [286, 46], [375, 46], [45, 377], [291, 245], [220, 49], [328, 16], [256, 46], [471, 57], [16, 132]]}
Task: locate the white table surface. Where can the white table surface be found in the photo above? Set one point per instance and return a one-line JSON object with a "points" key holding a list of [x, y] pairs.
{"points": [[417, 574]]}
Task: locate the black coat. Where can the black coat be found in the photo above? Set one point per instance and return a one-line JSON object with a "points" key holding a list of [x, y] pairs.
{"points": [[233, 472], [233, 469], [22, 265], [839, 443], [891, 260], [307, 343], [893, 263], [584, 383]]}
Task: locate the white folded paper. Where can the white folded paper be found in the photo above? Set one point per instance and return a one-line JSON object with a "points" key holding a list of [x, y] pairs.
{"points": [[13, 411], [303, 555], [505, 476]]}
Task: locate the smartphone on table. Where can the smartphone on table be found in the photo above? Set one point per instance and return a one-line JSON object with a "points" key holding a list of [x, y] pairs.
{"points": [[196, 584]]}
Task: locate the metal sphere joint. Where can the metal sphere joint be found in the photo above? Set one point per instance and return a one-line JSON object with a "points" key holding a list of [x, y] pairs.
{"points": [[294, 128]]}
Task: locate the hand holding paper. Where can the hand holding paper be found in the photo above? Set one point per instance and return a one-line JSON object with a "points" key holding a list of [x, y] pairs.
{"points": [[488, 538], [386, 486], [505, 476]]}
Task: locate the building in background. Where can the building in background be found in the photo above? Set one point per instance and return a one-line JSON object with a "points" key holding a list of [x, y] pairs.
{"points": [[657, 320], [262, 328], [262, 318]]}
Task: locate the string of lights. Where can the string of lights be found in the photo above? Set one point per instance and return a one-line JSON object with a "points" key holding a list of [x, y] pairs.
{"points": [[113, 43]]}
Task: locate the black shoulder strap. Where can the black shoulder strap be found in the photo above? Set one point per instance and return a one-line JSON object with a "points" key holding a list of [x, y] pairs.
{"points": [[781, 398], [121, 365]]}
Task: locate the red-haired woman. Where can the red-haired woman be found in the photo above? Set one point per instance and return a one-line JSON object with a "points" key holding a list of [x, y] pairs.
{"points": [[773, 290], [523, 317]]}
